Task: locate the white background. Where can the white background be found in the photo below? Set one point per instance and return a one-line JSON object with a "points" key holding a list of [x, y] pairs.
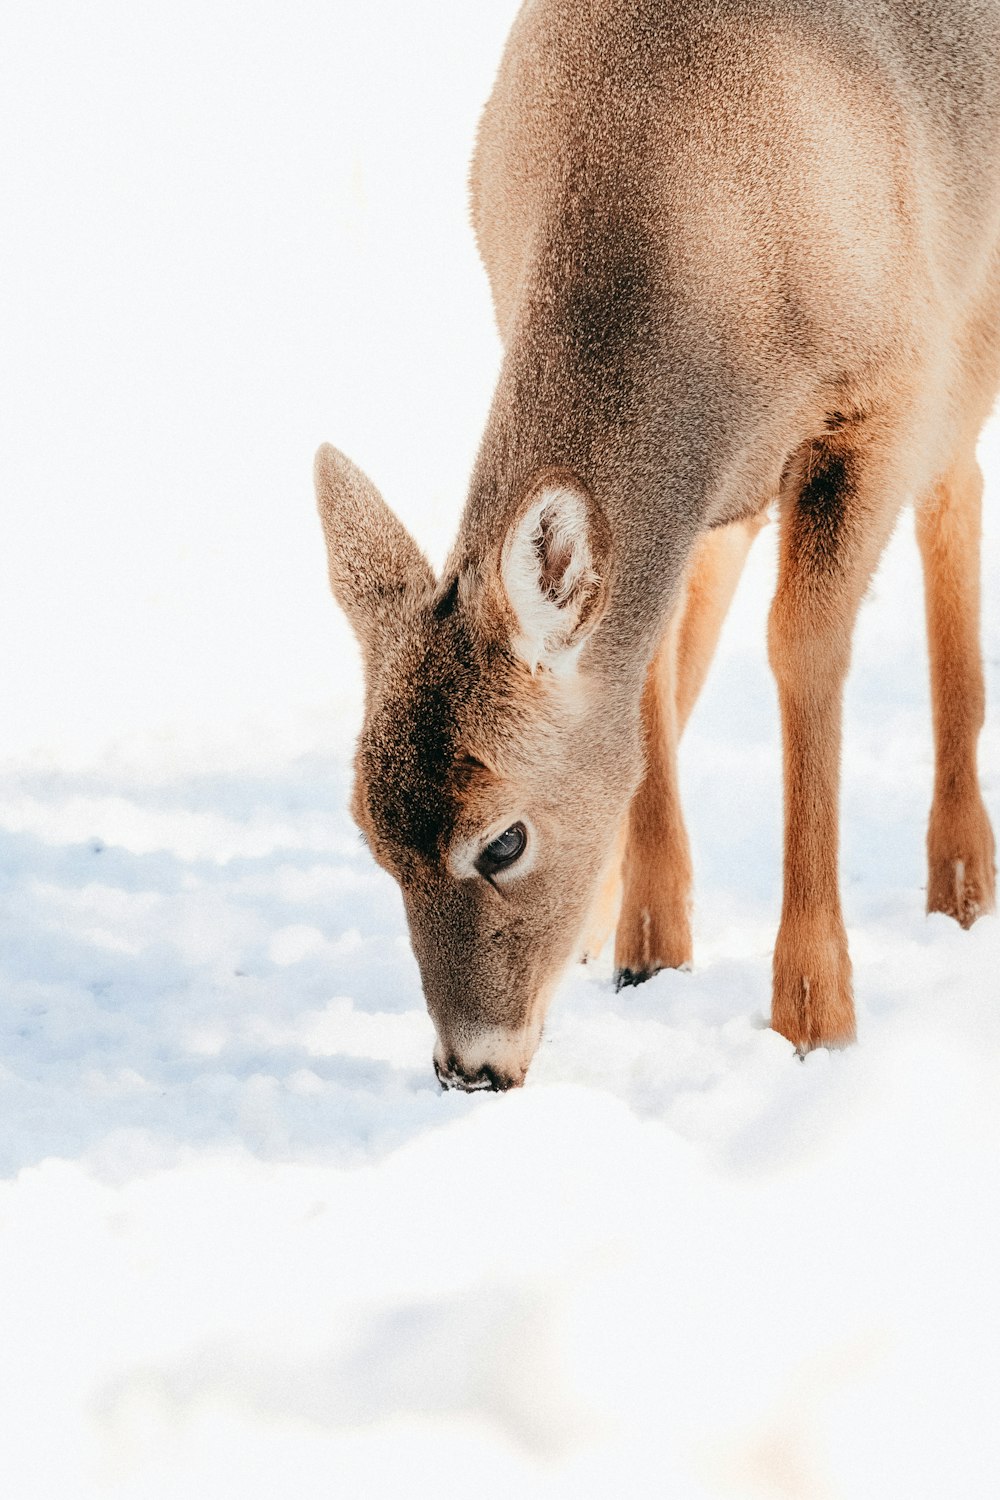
{"points": [[246, 1247]]}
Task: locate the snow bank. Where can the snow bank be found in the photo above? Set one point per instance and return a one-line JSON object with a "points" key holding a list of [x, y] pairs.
{"points": [[244, 1235], [544, 1292], [247, 1247]]}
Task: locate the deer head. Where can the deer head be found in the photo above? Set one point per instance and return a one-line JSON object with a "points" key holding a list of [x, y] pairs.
{"points": [[489, 780]]}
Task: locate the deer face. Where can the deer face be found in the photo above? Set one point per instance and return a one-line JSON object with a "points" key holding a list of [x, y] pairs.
{"points": [[488, 782]]}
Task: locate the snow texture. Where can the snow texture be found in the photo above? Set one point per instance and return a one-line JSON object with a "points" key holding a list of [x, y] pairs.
{"points": [[247, 1247]]}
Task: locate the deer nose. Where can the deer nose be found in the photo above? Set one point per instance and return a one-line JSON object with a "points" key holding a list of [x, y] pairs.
{"points": [[451, 1076]]}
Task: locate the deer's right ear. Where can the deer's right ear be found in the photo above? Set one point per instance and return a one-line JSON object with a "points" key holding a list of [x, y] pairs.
{"points": [[375, 565], [554, 569]]}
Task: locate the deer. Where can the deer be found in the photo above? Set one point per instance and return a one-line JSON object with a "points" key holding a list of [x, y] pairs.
{"points": [[744, 257]]}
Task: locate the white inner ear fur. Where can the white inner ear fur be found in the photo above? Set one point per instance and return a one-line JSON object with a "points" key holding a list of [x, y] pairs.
{"points": [[547, 568]]}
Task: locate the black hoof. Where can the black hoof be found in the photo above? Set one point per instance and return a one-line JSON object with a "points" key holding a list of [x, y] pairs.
{"points": [[626, 977]]}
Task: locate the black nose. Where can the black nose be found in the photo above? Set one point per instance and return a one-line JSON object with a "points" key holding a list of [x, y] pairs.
{"points": [[451, 1076]]}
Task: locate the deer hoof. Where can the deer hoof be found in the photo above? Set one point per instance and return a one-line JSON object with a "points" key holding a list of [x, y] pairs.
{"points": [[624, 978], [812, 1003], [961, 884], [651, 938], [961, 861], [958, 890]]}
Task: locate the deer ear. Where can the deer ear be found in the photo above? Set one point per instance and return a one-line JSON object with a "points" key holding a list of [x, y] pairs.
{"points": [[375, 565], [554, 569]]}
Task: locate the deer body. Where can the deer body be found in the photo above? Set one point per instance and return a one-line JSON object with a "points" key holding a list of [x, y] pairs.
{"points": [[739, 253]]}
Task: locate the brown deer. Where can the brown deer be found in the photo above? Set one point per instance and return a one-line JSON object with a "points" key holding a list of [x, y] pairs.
{"points": [[741, 251]]}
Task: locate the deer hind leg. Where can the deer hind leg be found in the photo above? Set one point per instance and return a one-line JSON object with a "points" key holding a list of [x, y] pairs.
{"points": [[833, 528], [960, 846], [654, 925]]}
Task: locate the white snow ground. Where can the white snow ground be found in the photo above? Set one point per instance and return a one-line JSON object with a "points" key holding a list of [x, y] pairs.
{"points": [[246, 1246]]}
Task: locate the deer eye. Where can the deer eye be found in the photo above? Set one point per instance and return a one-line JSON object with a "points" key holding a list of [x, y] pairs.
{"points": [[504, 849]]}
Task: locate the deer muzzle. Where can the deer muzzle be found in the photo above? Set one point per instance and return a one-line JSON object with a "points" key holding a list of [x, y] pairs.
{"points": [[495, 1059]]}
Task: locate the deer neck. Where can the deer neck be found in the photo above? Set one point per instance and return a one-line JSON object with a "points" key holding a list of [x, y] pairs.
{"points": [[605, 375]]}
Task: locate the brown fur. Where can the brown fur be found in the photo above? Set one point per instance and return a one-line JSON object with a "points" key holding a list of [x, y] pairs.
{"points": [[960, 847], [738, 251], [654, 926]]}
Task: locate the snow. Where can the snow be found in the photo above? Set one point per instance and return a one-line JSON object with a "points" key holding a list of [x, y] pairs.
{"points": [[247, 1246]]}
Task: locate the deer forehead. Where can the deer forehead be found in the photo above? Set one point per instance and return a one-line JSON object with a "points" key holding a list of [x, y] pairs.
{"points": [[427, 756], [458, 733]]}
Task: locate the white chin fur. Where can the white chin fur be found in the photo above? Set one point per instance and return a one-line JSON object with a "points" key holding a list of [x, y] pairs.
{"points": [[498, 1049]]}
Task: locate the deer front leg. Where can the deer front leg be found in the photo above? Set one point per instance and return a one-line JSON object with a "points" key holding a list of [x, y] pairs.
{"points": [[832, 533], [604, 912], [654, 928], [654, 925], [711, 581], [960, 847]]}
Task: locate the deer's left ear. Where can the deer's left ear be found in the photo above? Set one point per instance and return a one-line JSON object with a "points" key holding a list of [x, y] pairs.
{"points": [[375, 565], [554, 569]]}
